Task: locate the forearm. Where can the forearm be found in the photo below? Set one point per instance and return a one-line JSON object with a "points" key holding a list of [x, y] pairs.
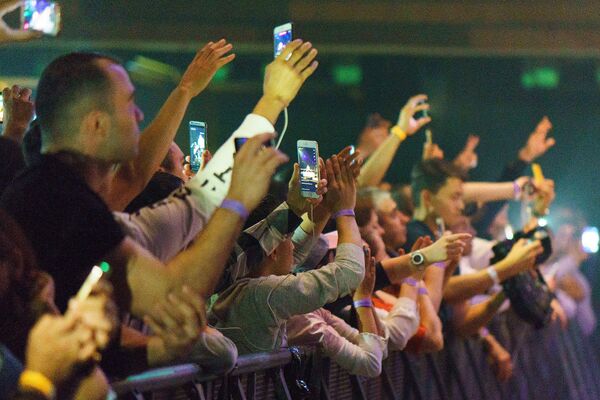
{"points": [[373, 171], [479, 315], [366, 320], [269, 107], [348, 231], [132, 178], [201, 265], [434, 282], [483, 192], [397, 268], [463, 287]]}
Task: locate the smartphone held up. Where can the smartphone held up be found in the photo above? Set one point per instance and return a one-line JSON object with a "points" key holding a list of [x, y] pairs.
{"points": [[282, 35], [308, 159], [41, 16], [197, 131]]}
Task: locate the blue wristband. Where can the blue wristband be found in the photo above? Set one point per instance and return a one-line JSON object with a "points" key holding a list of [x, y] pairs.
{"points": [[363, 303], [236, 207], [344, 213]]}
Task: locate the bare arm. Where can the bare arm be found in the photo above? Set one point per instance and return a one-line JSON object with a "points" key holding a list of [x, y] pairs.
{"points": [[469, 319], [131, 178], [378, 164]]}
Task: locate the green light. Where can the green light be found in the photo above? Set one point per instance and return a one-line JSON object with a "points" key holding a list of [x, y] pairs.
{"points": [[222, 74], [105, 267], [542, 78], [347, 75]]}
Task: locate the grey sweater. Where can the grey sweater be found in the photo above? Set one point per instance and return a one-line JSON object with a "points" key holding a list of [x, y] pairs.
{"points": [[253, 311]]}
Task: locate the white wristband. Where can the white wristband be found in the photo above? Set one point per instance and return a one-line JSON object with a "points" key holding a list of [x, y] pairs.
{"points": [[491, 271]]}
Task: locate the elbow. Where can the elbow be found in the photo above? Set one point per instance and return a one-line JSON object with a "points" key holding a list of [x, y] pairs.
{"points": [[371, 367]]}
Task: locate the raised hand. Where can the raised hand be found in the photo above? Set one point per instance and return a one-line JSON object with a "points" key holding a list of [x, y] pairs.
{"points": [[298, 204], [18, 112], [253, 168], [449, 246], [205, 65], [523, 253], [406, 119], [432, 150], [178, 322], [365, 289], [341, 193], [467, 158], [7, 34], [544, 196], [538, 142], [287, 73]]}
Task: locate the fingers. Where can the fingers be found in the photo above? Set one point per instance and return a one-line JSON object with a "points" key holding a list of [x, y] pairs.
{"points": [[253, 145], [337, 170], [322, 169], [289, 49], [299, 54], [330, 173], [472, 142], [413, 101], [345, 152], [418, 244], [305, 61], [309, 71]]}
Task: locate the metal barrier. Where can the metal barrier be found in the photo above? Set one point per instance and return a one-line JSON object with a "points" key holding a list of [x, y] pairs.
{"points": [[548, 364]]}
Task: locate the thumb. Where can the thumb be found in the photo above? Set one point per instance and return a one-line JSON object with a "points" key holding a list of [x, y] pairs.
{"points": [[296, 175]]}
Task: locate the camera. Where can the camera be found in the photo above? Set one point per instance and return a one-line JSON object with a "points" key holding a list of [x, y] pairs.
{"points": [[540, 233]]}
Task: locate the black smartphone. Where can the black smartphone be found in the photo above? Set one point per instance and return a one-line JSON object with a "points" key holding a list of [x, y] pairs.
{"points": [[197, 143], [239, 142]]}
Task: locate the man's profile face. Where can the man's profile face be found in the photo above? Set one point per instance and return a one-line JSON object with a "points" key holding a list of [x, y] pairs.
{"points": [[393, 223], [126, 115], [448, 202]]}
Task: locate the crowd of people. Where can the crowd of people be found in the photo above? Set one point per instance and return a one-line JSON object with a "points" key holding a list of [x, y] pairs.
{"points": [[208, 266]]}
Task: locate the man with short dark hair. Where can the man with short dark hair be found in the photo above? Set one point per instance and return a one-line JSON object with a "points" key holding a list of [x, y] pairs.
{"points": [[91, 126]]}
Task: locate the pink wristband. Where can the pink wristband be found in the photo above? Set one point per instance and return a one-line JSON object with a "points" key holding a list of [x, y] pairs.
{"points": [[423, 291], [441, 265], [410, 282], [236, 207]]}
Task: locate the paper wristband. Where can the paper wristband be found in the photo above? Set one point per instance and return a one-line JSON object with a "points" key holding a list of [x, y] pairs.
{"points": [[363, 303]]}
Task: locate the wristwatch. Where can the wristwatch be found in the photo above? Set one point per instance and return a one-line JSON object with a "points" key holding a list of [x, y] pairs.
{"points": [[417, 259]]}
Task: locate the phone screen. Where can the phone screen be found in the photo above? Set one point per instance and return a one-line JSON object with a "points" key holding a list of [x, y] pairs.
{"points": [[309, 169], [1, 109], [282, 35], [197, 143], [590, 239], [42, 16]]}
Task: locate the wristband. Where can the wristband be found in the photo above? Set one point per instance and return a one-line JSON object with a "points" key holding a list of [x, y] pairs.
{"points": [[440, 265], [410, 282], [236, 207], [517, 190], [37, 381], [493, 274], [367, 302], [396, 130], [344, 213], [483, 332], [422, 291]]}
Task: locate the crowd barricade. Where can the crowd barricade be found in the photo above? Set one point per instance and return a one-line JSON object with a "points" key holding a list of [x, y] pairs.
{"points": [[550, 363]]}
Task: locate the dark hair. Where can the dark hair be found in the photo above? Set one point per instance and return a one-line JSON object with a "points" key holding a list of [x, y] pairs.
{"points": [[432, 175], [19, 284], [66, 82]]}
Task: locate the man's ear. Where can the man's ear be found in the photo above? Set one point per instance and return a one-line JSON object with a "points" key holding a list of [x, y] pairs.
{"points": [[426, 196], [273, 255], [96, 125]]}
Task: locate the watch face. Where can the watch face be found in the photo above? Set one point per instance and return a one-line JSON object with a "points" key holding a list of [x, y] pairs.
{"points": [[417, 258]]}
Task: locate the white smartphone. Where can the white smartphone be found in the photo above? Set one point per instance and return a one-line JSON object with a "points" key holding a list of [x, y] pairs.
{"points": [[42, 16], [1, 109], [197, 143], [308, 158], [282, 35], [590, 239]]}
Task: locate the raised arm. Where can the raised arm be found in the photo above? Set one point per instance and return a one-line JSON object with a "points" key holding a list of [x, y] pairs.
{"points": [[132, 178], [200, 266], [377, 165], [468, 319], [521, 257]]}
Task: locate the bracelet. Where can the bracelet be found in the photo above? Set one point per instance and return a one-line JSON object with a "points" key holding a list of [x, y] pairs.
{"points": [[440, 265], [483, 332], [366, 302], [37, 381], [348, 212], [236, 207], [493, 274], [422, 291], [396, 130], [517, 190], [410, 282]]}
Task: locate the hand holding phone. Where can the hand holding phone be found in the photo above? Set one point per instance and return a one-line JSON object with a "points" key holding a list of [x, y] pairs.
{"points": [[308, 159], [198, 143], [41, 16]]}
